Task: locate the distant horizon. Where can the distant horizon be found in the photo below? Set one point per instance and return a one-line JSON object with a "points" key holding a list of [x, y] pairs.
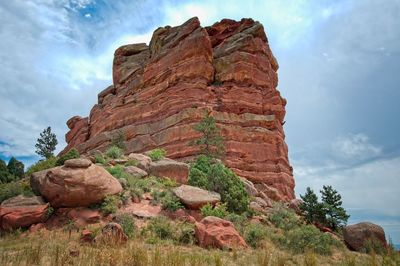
{"points": [[338, 72]]}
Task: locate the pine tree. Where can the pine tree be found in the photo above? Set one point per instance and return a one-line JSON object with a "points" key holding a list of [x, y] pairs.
{"points": [[313, 210], [46, 143], [15, 167], [335, 214], [211, 141]]}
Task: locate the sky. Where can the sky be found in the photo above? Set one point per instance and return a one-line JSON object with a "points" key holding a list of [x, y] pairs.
{"points": [[339, 70]]}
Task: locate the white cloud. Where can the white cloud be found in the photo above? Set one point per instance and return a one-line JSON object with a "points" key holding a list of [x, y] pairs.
{"points": [[356, 146]]}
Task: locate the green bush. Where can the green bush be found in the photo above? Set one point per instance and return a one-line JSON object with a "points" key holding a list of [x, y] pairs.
{"points": [[161, 227], [16, 168], [186, 234], [110, 204], [217, 177], [307, 238], [157, 154], [217, 211], [170, 202], [117, 171], [132, 162], [114, 152], [128, 224], [99, 158], [5, 175], [12, 189], [71, 154], [254, 234], [42, 165], [283, 218], [373, 245]]}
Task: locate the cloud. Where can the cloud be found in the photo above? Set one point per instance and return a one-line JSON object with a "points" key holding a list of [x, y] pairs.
{"points": [[355, 145]]}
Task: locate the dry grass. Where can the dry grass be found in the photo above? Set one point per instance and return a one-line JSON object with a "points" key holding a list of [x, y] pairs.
{"points": [[57, 248]]}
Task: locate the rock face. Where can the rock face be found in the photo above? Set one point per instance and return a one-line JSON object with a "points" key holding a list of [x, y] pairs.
{"points": [[218, 233], [356, 235], [160, 91], [172, 169], [78, 183], [194, 198], [22, 211]]}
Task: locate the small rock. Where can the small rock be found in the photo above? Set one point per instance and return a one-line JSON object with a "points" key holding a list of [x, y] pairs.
{"points": [[177, 171], [87, 236], [194, 197], [219, 233], [135, 171], [77, 163], [143, 160]]}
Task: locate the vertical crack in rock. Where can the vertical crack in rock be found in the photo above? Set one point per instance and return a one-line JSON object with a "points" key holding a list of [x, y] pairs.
{"points": [[160, 91]]}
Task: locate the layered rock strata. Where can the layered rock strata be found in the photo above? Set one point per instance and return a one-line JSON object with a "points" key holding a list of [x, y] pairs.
{"points": [[162, 89]]}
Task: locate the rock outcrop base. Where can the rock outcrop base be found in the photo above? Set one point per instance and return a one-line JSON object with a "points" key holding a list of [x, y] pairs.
{"points": [[162, 89]]}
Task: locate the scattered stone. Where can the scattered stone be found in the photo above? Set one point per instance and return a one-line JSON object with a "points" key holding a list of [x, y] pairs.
{"points": [[112, 234], [218, 233], [21, 211], [77, 163], [135, 171], [356, 235], [177, 171], [76, 186], [143, 160], [194, 197]]}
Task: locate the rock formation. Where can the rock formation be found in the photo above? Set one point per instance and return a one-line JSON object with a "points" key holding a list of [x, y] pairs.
{"points": [[162, 89]]}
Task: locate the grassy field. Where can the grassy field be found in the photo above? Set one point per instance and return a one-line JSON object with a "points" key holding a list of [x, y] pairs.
{"points": [[62, 248]]}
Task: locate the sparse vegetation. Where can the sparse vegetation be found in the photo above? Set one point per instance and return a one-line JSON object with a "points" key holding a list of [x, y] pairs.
{"points": [[118, 140], [110, 204], [13, 171], [128, 224], [217, 211], [99, 158], [71, 154], [46, 143], [132, 163], [211, 174], [157, 154], [254, 234], [117, 171], [114, 152], [42, 165], [15, 188]]}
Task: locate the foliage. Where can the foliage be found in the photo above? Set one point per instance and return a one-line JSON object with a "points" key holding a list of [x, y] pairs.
{"points": [[71, 154], [15, 168], [15, 188], [161, 227], [335, 214], [307, 237], [216, 177], [99, 158], [110, 204], [373, 245], [217, 211], [211, 141], [186, 234], [157, 154], [42, 165], [171, 202], [132, 162], [114, 152], [128, 224], [5, 175], [329, 212], [254, 233], [49, 212], [118, 140], [46, 143], [117, 171], [312, 209], [283, 218]]}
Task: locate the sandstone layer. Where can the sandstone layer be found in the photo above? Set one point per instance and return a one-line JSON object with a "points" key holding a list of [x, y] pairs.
{"points": [[162, 89]]}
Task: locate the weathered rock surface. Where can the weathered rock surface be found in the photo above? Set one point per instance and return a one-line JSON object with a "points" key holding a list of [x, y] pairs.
{"points": [[80, 185], [135, 171], [194, 198], [177, 171], [218, 233], [21, 211], [356, 235], [143, 160], [160, 91]]}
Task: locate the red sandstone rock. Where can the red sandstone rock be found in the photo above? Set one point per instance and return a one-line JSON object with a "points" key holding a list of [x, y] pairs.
{"points": [[356, 235], [160, 91], [21, 211], [194, 197], [87, 236], [174, 170], [218, 233], [34, 228]]}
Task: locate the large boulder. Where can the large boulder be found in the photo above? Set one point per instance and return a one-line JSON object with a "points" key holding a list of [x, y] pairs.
{"points": [[194, 198], [78, 183], [356, 235], [218, 233], [143, 160], [135, 171], [21, 211], [177, 171]]}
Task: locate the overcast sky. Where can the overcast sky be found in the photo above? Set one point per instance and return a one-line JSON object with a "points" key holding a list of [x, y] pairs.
{"points": [[339, 70]]}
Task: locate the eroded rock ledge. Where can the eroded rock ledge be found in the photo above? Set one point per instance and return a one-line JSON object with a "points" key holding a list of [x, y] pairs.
{"points": [[160, 91]]}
